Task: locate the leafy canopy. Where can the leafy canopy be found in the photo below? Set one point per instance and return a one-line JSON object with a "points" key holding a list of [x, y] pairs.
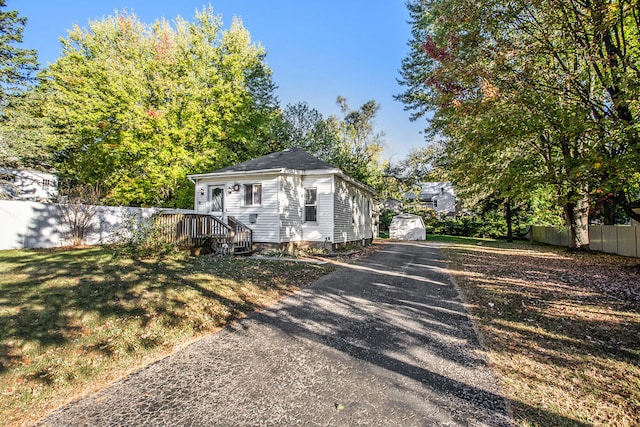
{"points": [[16, 64], [21, 137], [350, 142], [136, 106], [530, 96]]}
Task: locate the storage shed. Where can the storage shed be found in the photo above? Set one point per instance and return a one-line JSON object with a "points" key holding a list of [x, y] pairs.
{"points": [[407, 227]]}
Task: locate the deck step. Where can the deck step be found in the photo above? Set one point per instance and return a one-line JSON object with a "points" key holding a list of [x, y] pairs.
{"points": [[243, 252]]}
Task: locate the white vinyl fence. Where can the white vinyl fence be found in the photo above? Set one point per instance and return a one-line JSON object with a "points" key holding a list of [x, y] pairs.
{"points": [[42, 225], [613, 239]]}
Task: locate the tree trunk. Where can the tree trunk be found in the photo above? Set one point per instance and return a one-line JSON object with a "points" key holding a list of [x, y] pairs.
{"points": [[509, 217], [609, 211], [630, 208], [577, 216]]}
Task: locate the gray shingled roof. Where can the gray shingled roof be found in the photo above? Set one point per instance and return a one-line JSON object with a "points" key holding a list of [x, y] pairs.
{"points": [[291, 158]]}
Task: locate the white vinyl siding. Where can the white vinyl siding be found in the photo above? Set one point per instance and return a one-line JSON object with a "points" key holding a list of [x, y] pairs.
{"points": [[266, 228], [343, 209], [352, 215], [322, 228], [291, 199], [201, 204], [25, 184]]}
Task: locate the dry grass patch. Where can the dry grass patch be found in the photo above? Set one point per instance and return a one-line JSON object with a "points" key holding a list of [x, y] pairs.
{"points": [[73, 320], [562, 329]]}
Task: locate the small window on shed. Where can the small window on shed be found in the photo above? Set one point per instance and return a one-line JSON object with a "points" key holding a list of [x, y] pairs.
{"points": [[311, 205], [252, 194]]}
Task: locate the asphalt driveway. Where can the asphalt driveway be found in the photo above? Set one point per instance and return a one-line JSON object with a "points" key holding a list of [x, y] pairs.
{"points": [[383, 342]]}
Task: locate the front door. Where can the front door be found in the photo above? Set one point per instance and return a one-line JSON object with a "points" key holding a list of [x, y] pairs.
{"points": [[216, 200]]}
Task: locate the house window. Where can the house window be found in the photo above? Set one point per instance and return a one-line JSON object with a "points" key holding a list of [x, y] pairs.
{"points": [[252, 194], [216, 199], [353, 209], [310, 204]]}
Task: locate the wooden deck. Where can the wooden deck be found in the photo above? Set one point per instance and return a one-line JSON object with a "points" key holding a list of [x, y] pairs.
{"points": [[201, 230]]}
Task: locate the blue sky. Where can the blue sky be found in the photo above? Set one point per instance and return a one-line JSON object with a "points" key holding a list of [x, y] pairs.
{"points": [[316, 49]]}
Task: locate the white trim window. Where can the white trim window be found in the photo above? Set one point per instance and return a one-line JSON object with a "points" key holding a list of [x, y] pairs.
{"points": [[354, 209], [310, 205], [252, 194]]}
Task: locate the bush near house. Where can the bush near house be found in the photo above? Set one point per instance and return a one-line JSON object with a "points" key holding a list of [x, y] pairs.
{"points": [[488, 225]]}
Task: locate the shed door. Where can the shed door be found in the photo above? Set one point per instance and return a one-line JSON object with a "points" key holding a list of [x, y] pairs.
{"points": [[216, 200]]}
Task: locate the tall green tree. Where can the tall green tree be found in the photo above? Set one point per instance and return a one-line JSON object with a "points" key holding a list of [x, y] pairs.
{"points": [[22, 136], [527, 92], [360, 145], [306, 128], [17, 65], [137, 107], [350, 142], [26, 140]]}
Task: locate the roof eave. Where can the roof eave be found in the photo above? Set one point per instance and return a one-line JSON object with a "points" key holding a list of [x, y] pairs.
{"points": [[356, 182], [230, 174], [233, 174]]}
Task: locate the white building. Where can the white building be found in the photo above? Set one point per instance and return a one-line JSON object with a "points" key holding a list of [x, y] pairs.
{"points": [[439, 196], [27, 184], [289, 197], [407, 227]]}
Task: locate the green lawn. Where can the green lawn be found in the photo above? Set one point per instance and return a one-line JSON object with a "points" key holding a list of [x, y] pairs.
{"points": [[73, 320], [449, 239], [459, 239]]}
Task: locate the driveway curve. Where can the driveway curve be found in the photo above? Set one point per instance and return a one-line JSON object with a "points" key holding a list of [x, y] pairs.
{"points": [[382, 342]]}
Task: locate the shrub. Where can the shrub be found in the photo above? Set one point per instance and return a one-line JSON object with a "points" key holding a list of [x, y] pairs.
{"points": [[77, 211], [385, 219], [490, 225], [142, 237]]}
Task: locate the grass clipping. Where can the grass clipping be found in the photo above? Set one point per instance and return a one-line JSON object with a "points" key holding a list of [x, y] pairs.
{"points": [[71, 321], [562, 329]]}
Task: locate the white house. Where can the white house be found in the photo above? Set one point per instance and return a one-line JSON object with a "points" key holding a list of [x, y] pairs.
{"points": [[290, 198], [27, 184], [439, 196]]}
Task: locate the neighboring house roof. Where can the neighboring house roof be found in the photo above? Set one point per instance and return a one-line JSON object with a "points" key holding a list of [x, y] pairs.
{"points": [[291, 159], [392, 204], [431, 190]]}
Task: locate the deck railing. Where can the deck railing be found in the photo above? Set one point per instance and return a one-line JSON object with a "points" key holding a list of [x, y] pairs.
{"points": [[242, 235], [195, 230]]}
